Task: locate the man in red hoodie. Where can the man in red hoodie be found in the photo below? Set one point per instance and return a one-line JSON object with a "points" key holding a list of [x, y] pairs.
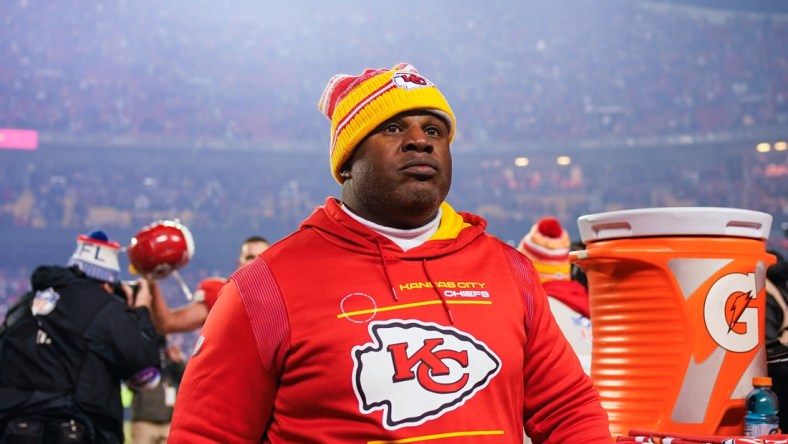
{"points": [[388, 316]]}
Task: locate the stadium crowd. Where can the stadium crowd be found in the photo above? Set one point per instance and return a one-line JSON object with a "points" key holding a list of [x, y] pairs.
{"points": [[128, 98], [569, 70], [272, 194]]}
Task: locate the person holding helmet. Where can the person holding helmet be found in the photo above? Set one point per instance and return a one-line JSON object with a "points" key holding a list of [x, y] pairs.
{"points": [[163, 247], [158, 250], [192, 315], [67, 344], [388, 316]]}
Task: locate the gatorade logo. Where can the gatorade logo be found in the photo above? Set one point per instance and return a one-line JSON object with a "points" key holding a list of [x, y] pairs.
{"points": [[730, 320]]}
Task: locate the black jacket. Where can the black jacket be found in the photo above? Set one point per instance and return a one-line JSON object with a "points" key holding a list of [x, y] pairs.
{"points": [[77, 348]]}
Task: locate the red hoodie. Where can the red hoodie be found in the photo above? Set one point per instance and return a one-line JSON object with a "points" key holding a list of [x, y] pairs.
{"points": [[336, 335]]}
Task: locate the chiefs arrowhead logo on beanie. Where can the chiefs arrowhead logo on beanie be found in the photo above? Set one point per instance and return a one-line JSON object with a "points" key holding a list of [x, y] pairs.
{"points": [[97, 256], [358, 104]]}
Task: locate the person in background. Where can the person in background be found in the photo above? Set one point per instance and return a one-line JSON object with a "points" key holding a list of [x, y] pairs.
{"points": [[547, 245], [68, 343], [151, 410], [192, 315], [777, 333], [251, 248], [388, 316]]}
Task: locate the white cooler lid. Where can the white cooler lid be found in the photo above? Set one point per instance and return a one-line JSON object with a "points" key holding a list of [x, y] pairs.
{"points": [[675, 221]]}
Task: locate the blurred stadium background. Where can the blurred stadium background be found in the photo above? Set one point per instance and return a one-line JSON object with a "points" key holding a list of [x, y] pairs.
{"points": [[206, 110]]}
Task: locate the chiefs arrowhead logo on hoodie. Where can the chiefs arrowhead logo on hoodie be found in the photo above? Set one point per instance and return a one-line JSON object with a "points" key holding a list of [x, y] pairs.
{"points": [[416, 371]]}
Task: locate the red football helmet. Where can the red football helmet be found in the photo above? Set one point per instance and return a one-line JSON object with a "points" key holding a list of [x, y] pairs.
{"points": [[161, 248]]}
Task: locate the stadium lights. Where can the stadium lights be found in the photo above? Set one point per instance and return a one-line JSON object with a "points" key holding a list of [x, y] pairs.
{"points": [[781, 145], [763, 147], [521, 162], [563, 160]]}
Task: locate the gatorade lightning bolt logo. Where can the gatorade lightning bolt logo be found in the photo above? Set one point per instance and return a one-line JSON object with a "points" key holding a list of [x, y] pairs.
{"points": [[730, 320], [740, 301]]}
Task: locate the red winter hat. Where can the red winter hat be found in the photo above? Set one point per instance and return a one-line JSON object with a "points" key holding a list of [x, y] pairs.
{"points": [[547, 245]]}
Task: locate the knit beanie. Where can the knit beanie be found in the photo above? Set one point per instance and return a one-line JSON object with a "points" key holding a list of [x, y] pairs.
{"points": [[97, 256], [356, 105], [547, 245]]}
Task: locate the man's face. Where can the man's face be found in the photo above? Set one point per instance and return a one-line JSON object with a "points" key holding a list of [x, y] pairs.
{"points": [[401, 172], [250, 250]]}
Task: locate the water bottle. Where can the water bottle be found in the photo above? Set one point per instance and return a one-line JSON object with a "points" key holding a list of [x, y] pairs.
{"points": [[761, 405]]}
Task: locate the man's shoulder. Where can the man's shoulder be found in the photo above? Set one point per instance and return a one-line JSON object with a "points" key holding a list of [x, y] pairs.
{"points": [[491, 241], [305, 240]]}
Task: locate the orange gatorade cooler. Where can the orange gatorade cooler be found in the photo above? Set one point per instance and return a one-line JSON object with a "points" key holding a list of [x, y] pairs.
{"points": [[677, 315]]}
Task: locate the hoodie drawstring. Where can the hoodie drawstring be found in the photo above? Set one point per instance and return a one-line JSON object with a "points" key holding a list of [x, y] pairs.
{"points": [[435, 287], [426, 273], [386, 270]]}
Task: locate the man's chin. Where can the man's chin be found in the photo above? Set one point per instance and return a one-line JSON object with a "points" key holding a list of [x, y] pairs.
{"points": [[425, 197]]}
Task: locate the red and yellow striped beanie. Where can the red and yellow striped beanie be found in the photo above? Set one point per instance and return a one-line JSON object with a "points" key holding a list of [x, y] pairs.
{"points": [[356, 105], [547, 245]]}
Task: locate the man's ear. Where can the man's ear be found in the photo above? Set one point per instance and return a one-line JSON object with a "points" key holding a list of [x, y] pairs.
{"points": [[344, 170]]}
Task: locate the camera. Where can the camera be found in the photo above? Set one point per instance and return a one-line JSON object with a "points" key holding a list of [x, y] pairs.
{"points": [[117, 289]]}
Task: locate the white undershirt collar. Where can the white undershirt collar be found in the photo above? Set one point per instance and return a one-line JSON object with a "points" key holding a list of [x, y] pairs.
{"points": [[406, 239]]}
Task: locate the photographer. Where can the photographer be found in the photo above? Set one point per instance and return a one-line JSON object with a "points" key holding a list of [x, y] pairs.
{"points": [[67, 344]]}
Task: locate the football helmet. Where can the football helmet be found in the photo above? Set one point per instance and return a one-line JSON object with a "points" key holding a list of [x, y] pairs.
{"points": [[160, 248]]}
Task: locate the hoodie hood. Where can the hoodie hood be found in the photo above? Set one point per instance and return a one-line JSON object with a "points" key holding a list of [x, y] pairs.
{"points": [[47, 276], [457, 230]]}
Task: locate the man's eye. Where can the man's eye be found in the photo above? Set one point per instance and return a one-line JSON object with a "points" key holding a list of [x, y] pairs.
{"points": [[392, 128]]}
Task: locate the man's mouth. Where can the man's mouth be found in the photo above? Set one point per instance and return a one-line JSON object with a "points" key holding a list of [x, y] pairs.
{"points": [[420, 167]]}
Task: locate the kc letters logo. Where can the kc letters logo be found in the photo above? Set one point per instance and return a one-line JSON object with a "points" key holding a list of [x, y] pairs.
{"points": [[416, 371]]}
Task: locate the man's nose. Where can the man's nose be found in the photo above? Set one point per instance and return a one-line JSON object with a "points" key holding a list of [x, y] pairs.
{"points": [[417, 139]]}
